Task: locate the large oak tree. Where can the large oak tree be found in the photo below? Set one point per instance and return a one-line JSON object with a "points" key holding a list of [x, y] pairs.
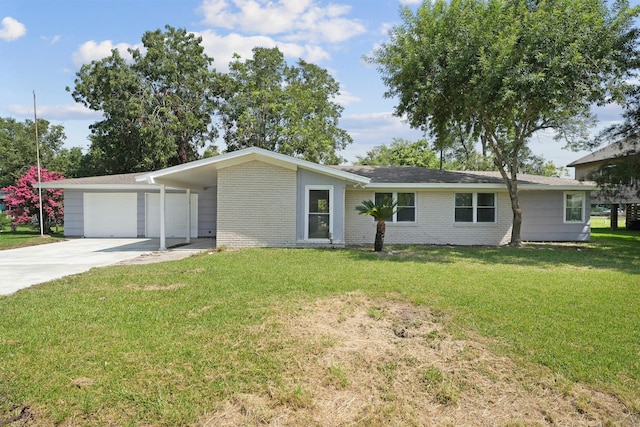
{"points": [[503, 70], [157, 108], [284, 108]]}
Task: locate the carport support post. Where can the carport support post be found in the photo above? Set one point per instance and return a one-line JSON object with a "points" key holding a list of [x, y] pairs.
{"points": [[163, 238], [188, 239]]}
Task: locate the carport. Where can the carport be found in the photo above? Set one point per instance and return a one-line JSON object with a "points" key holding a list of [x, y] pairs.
{"points": [[119, 206], [196, 175]]}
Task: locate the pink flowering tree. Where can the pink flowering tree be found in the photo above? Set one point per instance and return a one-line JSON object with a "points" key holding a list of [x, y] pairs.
{"points": [[23, 199]]}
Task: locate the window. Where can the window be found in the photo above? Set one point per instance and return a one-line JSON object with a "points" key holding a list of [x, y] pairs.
{"points": [[406, 209], [318, 213], [464, 207], [574, 207], [475, 207]]}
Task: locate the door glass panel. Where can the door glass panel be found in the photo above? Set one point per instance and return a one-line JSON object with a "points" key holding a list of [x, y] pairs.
{"points": [[319, 217]]}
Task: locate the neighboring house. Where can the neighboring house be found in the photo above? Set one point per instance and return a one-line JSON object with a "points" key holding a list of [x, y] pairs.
{"points": [[255, 197], [589, 166]]}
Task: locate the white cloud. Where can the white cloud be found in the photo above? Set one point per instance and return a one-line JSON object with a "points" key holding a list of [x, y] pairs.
{"points": [[371, 130], [11, 29], [91, 51], [347, 98], [410, 2], [299, 20], [56, 112], [222, 48], [376, 122], [51, 40]]}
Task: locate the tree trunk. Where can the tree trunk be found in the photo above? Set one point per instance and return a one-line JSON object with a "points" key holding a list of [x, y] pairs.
{"points": [[614, 216], [516, 228], [380, 229], [510, 177]]}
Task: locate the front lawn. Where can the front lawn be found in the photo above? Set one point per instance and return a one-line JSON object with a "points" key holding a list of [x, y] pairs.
{"points": [[251, 337], [26, 236]]}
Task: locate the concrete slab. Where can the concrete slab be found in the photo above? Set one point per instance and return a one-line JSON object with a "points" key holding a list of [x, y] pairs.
{"points": [[23, 267]]}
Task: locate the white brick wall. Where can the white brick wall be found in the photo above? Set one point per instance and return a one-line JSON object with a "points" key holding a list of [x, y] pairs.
{"points": [[434, 222], [256, 205]]}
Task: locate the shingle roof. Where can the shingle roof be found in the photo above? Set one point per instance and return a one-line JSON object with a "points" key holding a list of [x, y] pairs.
{"points": [[617, 149], [125, 178], [105, 182], [417, 175], [384, 175]]}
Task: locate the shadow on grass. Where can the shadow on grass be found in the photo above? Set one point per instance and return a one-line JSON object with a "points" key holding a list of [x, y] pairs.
{"points": [[617, 250]]}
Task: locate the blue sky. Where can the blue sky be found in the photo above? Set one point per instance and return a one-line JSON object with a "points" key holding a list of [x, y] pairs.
{"points": [[43, 43]]}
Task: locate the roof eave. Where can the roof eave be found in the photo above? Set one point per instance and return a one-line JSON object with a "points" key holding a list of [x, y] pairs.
{"points": [[51, 185], [434, 185], [572, 187], [482, 186]]}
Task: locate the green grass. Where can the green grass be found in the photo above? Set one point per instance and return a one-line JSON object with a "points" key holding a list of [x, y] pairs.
{"points": [[26, 236], [605, 221], [163, 344]]}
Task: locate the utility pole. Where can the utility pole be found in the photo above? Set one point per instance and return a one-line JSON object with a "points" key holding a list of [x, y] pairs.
{"points": [[35, 120]]}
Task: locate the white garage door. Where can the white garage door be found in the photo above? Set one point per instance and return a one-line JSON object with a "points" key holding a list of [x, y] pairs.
{"points": [[110, 215], [175, 213]]}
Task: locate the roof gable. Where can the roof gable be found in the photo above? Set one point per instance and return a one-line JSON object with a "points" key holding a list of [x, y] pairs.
{"points": [[202, 173]]}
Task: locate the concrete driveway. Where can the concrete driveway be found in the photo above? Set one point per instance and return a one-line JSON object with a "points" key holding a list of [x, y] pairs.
{"points": [[23, 267]]}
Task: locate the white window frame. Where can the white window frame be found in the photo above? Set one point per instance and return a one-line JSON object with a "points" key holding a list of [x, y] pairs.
{"points": [[564, 206], [474, 207], [307, 189], [394, 197]]}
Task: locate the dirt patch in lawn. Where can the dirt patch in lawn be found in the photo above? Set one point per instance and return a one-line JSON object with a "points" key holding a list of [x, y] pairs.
{"points": [[369, 362]]}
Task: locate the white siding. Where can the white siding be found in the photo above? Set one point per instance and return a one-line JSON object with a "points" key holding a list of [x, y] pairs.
{"points": [[256, 206], [434, 222], [543, 218], [73, 213], [207, 212]]}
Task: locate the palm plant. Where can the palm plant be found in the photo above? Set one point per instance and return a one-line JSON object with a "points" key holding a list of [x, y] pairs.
{"points": [[380, 211]]}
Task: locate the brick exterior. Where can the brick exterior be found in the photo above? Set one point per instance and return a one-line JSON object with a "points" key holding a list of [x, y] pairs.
{"points": [[434, 222], [256, 206]]}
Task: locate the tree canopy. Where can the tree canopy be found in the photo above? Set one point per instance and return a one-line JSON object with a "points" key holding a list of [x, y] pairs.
{"points": [[157, 108], [18, 149], [457, 156], [401, 153], [284, 108], [160, 108], [501, 70]]}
